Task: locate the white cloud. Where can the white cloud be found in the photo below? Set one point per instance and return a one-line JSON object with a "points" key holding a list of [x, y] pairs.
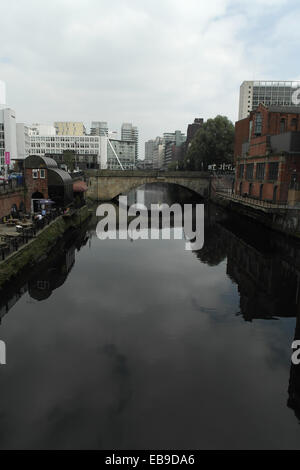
{"points": [[158, 64]]}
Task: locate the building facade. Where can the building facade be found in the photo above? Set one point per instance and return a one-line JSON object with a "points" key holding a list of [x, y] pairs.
{"points": [[99, 128], [269, 93], [131, 133], [83, 145], [8, 136], [267, 154], [69, 128], [126, 152], [158, 153]]}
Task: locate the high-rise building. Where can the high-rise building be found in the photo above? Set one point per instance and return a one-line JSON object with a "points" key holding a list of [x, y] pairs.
{"points": [[149, 149], [125, 150], [99, 128], [172, 143], [269, 93], [131, 133], [158, 153], [69, 128]]}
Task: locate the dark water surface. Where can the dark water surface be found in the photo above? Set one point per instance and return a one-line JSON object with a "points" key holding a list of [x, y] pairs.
{"points": [[141, 344]]}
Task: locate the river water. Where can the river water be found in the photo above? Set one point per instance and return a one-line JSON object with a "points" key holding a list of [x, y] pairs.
{"points": [[121, 344]]}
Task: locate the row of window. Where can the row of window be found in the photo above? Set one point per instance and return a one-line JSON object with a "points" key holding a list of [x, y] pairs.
{"points": [[54, 144], [63, 139], [43, 151], [273, 169]]}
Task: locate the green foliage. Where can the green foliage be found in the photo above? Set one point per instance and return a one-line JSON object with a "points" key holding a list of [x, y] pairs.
{"points": [[213, 143], [69, 159]]}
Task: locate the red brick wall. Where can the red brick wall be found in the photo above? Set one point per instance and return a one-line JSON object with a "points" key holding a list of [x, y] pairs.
{"points": [[7, 200], [241, 136], [35, 185]]}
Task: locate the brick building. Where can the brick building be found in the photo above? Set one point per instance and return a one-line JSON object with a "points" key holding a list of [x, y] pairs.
{"points": [[44, 180], [267, 154]]}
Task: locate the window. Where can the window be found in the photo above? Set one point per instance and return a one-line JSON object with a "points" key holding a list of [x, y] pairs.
{"points": [[282, 126], [294, 124], [35, 174], [42, 174], [273, 171], [258, 124], [241, 171], [249, 171], [260, 171]]}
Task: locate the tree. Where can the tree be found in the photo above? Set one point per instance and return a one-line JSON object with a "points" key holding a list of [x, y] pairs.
{"points": [[213, 143], [69, 159]]}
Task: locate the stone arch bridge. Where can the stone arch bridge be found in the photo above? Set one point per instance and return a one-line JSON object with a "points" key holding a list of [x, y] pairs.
{"points": [[105, 185]]}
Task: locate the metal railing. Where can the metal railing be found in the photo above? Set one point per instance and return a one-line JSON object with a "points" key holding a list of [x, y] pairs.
{"points": [[250, 201], [10, 185], [9, 244]]}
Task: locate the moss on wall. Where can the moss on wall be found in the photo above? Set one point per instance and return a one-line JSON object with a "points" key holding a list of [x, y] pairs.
{"points": [[40, 246]]}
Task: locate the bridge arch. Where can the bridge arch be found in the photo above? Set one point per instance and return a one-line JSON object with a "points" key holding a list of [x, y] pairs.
{"points": [[106, 185]]}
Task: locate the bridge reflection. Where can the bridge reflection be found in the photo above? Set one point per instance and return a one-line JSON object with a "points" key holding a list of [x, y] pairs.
{"points": [[264, 265]]}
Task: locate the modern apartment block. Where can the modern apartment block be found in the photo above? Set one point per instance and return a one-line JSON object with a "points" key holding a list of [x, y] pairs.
{"points": [[126, 152], [69, 128], [131, 133], [269, 93], [99, 128]]}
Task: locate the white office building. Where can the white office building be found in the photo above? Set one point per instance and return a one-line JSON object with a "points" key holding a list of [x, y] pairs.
{"points": [[269, 93], [56, 144], [23, 141], [8, 136]]}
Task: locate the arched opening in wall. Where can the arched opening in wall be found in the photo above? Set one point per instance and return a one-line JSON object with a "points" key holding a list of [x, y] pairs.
{"points": [[250, 189], [261, 189], [35, 197], [275, 190], [241, 188]]}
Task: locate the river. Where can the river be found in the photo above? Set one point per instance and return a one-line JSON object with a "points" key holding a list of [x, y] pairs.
{"points": [[122, 344]]}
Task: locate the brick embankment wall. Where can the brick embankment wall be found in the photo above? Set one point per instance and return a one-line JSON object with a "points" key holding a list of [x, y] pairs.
{"points": [[7, 200]]}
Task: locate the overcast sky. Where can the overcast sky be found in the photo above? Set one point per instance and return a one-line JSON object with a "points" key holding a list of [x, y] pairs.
{"points": [[156, 63]]}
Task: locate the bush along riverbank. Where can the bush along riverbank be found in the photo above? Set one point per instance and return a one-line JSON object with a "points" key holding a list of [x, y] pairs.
{"points": [[39, 247]]}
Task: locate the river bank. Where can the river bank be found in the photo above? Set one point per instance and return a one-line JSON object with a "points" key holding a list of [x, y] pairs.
{"points": [[38, 248]]}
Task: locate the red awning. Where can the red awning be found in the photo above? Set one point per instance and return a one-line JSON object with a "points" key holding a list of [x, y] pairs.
{"points": [[79, 187]]}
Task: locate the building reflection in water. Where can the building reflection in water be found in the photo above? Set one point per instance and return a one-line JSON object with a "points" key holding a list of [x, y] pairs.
{"points": [[49, 275], [264, 265], [266, 268]]}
